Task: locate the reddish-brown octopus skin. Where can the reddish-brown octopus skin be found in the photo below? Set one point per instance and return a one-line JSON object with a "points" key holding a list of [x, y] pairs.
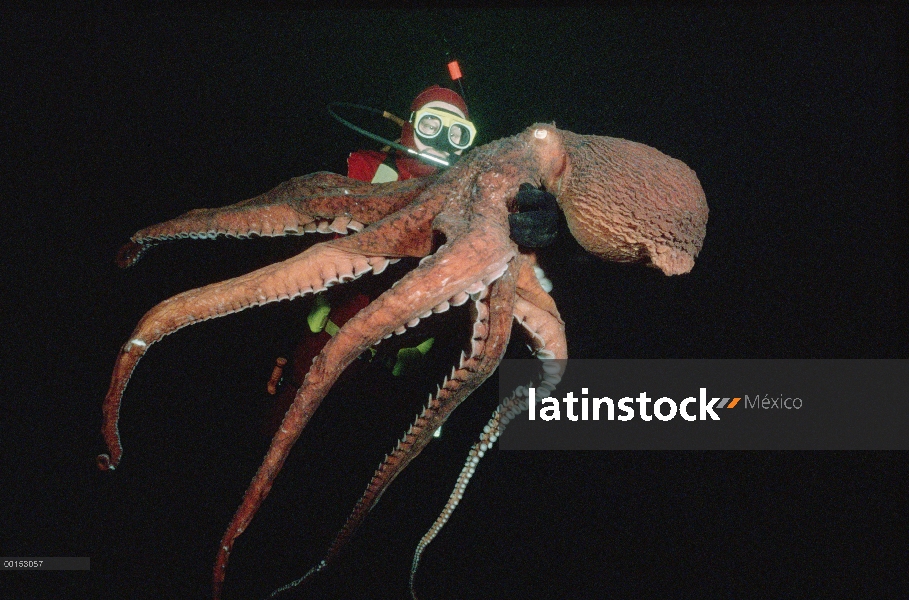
{"points": [[623, 202]]}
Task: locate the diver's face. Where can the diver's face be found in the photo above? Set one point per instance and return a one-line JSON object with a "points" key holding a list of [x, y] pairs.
{"points": [[430, 127]]}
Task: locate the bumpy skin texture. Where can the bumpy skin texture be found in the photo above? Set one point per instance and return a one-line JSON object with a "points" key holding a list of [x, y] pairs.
{"points": [[656, 210], [623, 201]]}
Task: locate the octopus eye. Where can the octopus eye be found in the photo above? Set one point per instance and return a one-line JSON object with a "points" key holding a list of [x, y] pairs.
{"points": [[540, 134]]}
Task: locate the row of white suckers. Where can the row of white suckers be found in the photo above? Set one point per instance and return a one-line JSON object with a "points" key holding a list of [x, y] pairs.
{"points": [[507, 410], [342, 225]]}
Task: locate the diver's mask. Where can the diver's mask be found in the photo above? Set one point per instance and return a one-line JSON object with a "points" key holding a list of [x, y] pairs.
{"points": [[443, 130]]}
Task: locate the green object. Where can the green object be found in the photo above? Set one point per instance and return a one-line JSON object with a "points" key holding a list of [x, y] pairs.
{"points": [[331, 329], [318, 316], [425, 346], [410, 357], [406, 359]]}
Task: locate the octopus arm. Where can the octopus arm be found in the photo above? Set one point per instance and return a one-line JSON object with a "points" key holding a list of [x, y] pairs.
{"points": [[546, 336], [314, 270], [451, 276], [492, 309], [530, 289], [320, 202]]}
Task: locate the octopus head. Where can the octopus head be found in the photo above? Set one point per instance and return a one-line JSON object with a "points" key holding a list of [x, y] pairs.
{"points": [[624, 201]]}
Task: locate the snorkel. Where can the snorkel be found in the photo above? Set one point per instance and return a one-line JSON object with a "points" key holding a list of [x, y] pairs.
{"points": [[424, 156]]}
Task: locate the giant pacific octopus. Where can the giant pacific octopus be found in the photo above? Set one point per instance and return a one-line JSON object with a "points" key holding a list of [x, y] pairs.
{"points": [[623, 201]]}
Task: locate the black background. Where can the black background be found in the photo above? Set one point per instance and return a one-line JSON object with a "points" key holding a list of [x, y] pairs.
{"points": [[112, 122]]}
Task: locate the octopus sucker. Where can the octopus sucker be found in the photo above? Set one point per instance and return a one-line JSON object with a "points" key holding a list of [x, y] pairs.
{"points": [[623, 202], [379, 264], [475, 288], [134, 342], [361, 268], [551, 367], [459, 299], [339, 225]]}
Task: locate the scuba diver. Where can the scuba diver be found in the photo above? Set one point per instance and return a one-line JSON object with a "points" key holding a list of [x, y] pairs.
{"points": [[439, 130], [439, 125]]}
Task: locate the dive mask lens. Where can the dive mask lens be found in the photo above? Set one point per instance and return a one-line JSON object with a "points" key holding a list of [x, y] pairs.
{"points": [[429, 122], [459, 136], [428, 126]]}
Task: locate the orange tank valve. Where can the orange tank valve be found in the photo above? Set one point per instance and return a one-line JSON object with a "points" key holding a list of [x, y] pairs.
{"points": [[454, 70]]}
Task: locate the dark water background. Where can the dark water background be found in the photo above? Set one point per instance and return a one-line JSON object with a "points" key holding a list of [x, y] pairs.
{"points": [[112, 121]]}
